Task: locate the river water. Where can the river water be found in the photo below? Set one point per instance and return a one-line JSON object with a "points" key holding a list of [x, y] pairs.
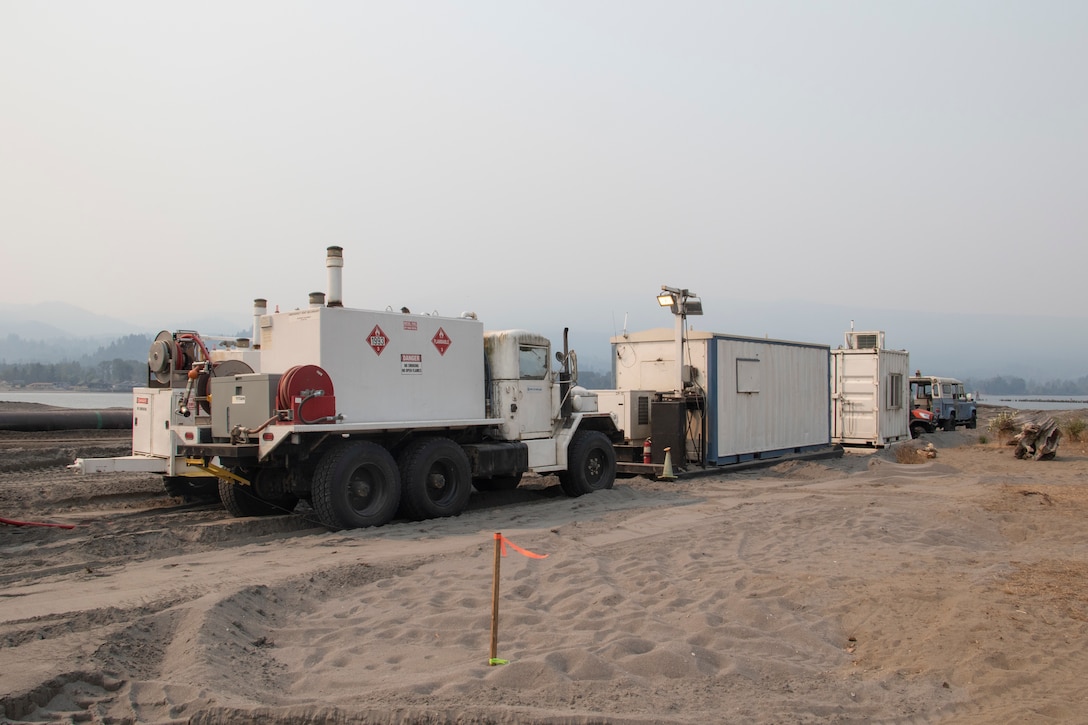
{"points": [[68, 398], [1036, 402]]}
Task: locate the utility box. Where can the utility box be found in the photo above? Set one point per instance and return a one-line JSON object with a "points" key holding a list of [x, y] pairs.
{"points": [[745, 398], [668, 430], [247, 400], [154, 418], [630, 409], [869, 392]]}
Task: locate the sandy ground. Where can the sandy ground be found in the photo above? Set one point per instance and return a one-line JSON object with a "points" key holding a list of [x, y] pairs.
{"points": [[856, 589]]}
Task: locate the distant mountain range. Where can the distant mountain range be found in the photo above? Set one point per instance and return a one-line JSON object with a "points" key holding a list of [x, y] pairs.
{"points": [[59, 320], [51, 332]]}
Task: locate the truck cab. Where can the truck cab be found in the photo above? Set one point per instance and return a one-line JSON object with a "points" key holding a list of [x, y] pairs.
{"points": [[946, 399]]}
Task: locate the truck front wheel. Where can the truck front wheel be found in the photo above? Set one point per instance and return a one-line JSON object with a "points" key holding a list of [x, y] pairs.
{"points": [[591, 464], [436, 479], [355, 485]]}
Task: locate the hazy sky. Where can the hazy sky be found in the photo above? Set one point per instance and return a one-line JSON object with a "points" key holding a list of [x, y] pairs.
{"points": [[556, 159]]}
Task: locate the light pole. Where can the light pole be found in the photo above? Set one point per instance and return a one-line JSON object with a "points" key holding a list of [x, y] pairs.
{"points": [[682, 302]]}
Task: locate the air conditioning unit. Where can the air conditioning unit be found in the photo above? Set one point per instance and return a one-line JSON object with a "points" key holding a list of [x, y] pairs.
{"points": [[864, 340]]}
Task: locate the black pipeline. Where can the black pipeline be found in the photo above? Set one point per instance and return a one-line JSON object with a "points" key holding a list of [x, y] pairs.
{"points": [[44, 420]]}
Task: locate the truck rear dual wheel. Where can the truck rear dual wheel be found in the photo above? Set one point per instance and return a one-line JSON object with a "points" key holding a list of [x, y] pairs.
{"points": [[436, 479], [356, 484], [591, 464]]}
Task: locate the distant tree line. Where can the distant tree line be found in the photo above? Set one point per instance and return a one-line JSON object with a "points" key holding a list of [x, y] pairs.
{"points": [[125, 360], [107, 373], [15, 349], [118, 371], [1002, 385], [122, 361], [594, 380]]}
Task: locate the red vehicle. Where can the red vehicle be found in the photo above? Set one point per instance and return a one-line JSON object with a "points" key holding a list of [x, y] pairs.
{"points": [[922, 421]]}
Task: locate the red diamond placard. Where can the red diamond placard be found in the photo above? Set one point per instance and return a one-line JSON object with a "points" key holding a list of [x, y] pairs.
{"points": [[377, 339], [441, 341]]}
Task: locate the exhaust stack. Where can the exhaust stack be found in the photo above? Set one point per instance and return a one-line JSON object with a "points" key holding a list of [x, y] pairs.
{"points": [[260, 309], [334, 263]]}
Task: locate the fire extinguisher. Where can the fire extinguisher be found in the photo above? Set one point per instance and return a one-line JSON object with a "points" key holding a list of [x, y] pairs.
{"points": [[646, 457]]}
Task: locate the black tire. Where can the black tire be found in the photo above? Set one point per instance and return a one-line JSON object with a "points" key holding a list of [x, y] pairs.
{"points": [[242, 501], [497, 483], [356, 485], [950, 423], [192, 489], [591, 464], [973, 423], [917, 430], [436, 479]]}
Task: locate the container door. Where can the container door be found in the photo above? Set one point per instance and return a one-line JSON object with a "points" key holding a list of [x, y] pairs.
{"points": [[859, 394]]}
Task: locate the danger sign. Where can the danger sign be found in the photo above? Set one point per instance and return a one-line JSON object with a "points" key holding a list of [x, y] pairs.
{"points": [[441, 341], [377, 339]]}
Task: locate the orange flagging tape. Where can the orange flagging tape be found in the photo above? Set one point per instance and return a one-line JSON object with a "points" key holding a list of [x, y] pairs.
{"points": [[524, 552], [13, 522]]}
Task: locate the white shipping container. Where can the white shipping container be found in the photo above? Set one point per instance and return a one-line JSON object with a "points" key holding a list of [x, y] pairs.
{"points": [[869, 392]]}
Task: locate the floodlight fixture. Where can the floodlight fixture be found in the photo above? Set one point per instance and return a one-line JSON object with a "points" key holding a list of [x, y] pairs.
{"points": [[681, 302]]}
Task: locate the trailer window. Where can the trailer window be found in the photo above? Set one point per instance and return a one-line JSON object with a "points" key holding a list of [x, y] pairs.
{"points": [[532, 362], [895, 391], [748, 375]]}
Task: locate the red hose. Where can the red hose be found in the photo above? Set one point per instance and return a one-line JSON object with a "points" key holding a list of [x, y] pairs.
{"points": [[194, 337], [13, 522]]}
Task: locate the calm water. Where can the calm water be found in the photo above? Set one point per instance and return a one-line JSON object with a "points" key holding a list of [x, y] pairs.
{"points": [[69, 399], [1037, 402]]}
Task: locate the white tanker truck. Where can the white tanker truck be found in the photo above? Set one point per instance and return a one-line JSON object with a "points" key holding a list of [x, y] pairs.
{"points": [[369, 415]]}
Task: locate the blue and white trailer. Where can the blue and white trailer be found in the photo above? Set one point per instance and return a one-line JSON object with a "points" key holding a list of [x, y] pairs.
{"points": [[742, 398]]}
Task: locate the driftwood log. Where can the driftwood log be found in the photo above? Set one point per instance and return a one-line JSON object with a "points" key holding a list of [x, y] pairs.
{"points": [[1037, 439]]}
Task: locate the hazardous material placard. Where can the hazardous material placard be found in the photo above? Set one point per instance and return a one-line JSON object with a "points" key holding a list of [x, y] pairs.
{"points": [[441, 341]]}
